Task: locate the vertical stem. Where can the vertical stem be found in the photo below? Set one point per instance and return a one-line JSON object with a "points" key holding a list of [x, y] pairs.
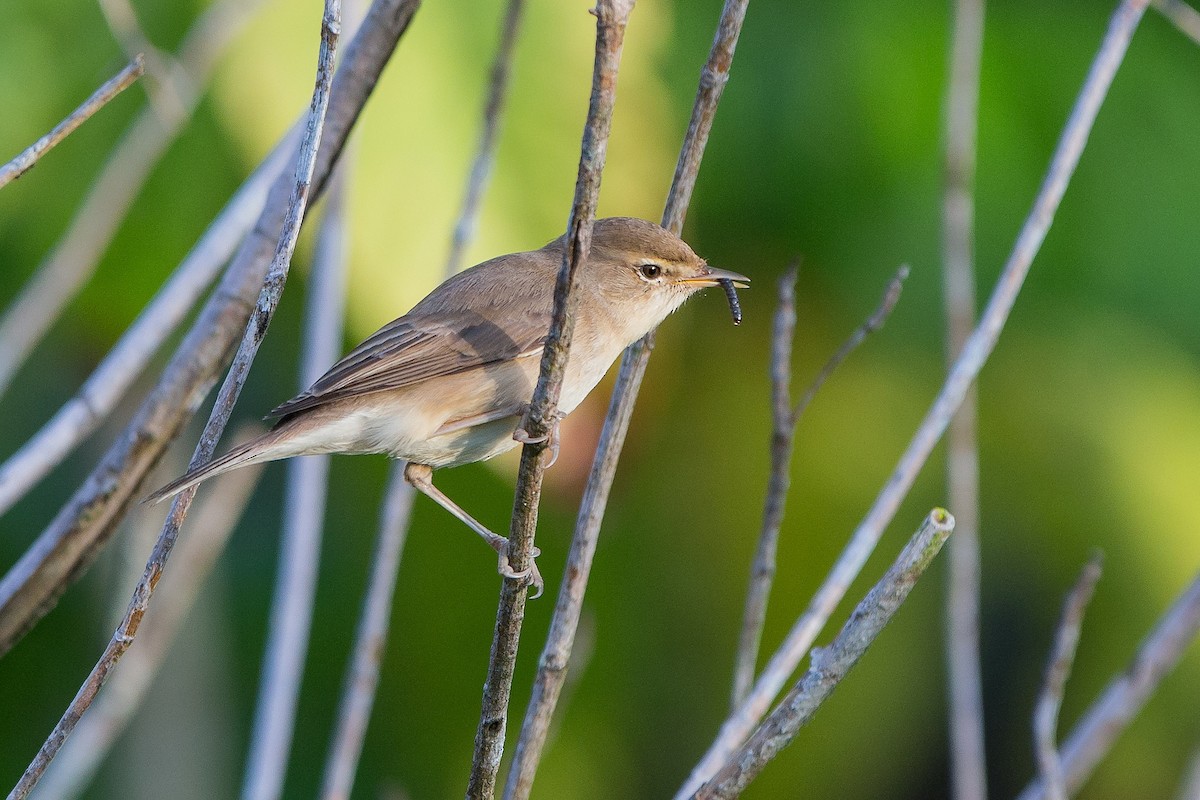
{"points": [[968, 763], [611, 19], [552, 667]]}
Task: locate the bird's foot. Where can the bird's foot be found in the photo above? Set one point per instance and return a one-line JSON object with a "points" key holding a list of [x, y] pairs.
{"points": [[529, 575], [552, 437]]}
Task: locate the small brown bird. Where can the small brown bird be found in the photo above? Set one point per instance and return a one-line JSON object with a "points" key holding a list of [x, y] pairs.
{"points": [[447, 383]]}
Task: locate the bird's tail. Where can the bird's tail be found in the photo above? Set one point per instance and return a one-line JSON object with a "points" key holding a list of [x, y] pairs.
{"points": [[254, 451]]}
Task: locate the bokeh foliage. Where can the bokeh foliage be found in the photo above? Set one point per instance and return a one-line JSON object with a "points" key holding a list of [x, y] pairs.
{"points": [[826, 146]]}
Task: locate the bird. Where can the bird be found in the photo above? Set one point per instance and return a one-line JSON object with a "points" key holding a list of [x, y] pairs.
{"points": [[448, 383]]}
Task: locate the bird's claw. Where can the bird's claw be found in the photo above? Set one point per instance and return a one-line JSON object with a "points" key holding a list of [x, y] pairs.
{"points": [[552, 438], [530, 575]]}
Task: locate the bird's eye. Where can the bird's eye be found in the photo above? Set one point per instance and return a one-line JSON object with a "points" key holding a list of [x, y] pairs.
{"points": [[650, 270]]}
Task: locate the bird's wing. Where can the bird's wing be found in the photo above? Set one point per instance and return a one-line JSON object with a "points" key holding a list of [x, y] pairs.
{"points": [[418, 347]]}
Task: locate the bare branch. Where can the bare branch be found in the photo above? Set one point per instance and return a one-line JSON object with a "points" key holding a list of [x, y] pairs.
{"points": [[370, 640], [975, 353], [785, 417], [84, 525], [1182, 15], [107, 384], [611, 18], [28, 157], [304, 518], [1107, 718], [831, 664], [556, 653], [783, 431], [968, 763], [891, 296], [1058, 670], [96, 733], [67, 268], [256, 330], [481, 166]]}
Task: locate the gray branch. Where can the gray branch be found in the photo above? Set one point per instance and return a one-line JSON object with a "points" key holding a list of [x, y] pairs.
{"points": [[611, 18], [785, 418], [85, 524], [966, 368], [1058, 670], [99, 395], [968, 764], [831, 664], [272, 290], [27, 158], [556, 653], [1121, 701], [67, 268]]}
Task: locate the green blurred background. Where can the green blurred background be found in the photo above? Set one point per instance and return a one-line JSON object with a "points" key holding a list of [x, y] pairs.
{"points": [[826, 145]]}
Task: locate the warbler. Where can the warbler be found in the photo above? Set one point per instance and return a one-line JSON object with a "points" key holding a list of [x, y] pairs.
{"points": [[447, 383]]}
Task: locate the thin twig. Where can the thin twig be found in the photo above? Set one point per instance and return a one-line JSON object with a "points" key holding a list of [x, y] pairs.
{"points": [[256, 330], [1058, 670], [304, 518], [370, 640], [481, 166], [65, 549], [611, 18], [891, 296], [831, 664], [785, 418], [783, 434], [556, 653], [93, 739], [107, 384], [968, 763], [975, 353], [27, 158], [1182, 15], [71, 263], [1098, 729]]}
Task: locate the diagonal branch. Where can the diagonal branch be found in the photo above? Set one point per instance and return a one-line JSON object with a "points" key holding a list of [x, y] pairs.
{"points": [[611, 18], [256, 330], [1095, 734], [27, 158], [966, 368], [97, 733], [1058, 670], [556, 653], [831, 664], [67, 268], [85, 524], [785, 418], [103, 389]]}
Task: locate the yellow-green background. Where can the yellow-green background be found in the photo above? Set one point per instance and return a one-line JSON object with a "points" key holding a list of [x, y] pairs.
{"points": [[827, 145]]}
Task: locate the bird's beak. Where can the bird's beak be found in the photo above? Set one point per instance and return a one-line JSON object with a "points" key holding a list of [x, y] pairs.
{"points": [[713, 277]]}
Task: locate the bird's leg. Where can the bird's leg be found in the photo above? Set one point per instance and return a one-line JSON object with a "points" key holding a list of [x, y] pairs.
{"points": [[420, 476], [552, 438]]}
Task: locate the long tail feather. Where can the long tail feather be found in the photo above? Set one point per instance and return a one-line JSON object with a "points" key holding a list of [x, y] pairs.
{"points": [[251, 452]]}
